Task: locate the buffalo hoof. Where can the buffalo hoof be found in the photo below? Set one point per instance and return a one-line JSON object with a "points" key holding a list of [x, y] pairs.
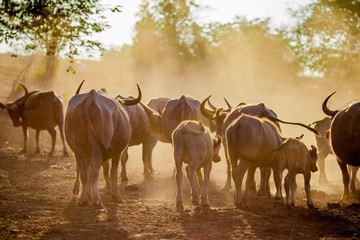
{"points": [[261, 194], [50, 154], [75, 191], [195, 202], [124, 179], [148, 177], [83, 203], [205, 206], [311, 206], [278, 202], [252, 188], [98, 205], [345, 197], [225, 188], [238, 204], [37, 151], [117, 199], [290, 206], [179, 206], [66, 154]]}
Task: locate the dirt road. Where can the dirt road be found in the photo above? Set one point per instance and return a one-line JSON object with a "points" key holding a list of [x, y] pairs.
{"points": [[36, 202]]}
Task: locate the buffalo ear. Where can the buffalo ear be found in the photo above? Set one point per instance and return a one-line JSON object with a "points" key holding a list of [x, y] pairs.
{"points": [[217, 141], [2, 106], [313, 151]]}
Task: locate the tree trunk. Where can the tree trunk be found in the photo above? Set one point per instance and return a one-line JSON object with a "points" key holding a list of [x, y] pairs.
{"points": [[50, 71]]}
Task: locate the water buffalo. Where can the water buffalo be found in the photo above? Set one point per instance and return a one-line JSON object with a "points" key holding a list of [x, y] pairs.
{"points": [[345, 138], [40, 111], [323, 145], [178, 110], [254, 142], [144, 122], [223, 118], [194, 146], [97, 128]]}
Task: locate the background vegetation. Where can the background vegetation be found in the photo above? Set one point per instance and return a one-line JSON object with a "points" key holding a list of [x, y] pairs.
{"points": [[172, 53]]}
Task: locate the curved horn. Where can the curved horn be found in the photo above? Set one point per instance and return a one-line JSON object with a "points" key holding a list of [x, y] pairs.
{"points": [[206, 112], [218, 111], [130, 101], [326, 110], [26, 91], [227, 103], [212, 106], [78, 90], [295, 123]]}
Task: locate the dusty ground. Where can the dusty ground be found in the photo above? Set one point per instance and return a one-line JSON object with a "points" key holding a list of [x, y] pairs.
{"points": [[36, 202]]}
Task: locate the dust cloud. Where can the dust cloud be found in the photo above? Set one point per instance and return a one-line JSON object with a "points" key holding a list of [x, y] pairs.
{"points": [[257, 70]]}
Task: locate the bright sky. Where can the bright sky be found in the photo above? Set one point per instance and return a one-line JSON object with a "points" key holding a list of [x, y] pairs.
{"points": [[220, 11], [122, 24]]}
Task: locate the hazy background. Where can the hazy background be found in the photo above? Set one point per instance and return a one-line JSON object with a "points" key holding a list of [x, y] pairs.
{"points": [[282, 53]]}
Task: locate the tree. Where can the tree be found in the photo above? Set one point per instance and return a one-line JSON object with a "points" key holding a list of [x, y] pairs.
{"points": [[327, 39], [168, 33], [51, 27]]}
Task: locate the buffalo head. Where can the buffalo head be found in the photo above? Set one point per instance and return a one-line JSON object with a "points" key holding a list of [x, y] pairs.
{"points": [[217, 115], [313, 158], [16, 108], [216, 147]]}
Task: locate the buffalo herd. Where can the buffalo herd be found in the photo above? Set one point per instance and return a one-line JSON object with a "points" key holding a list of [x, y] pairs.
{"points": [[99, 127]]}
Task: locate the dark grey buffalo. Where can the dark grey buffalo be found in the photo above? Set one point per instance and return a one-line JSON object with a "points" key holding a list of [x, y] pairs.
{"points": [[345, 138], [178, 110], [145, 122], [324, 148], [323, 145], [257, 142], [40, 111], [97, 128], [194, 146], [223, 118]]}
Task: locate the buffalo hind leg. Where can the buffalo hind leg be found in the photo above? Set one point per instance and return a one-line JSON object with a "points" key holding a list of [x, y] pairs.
{"points": [[148, 147], [106, 170], [277, 179], [82, 167], [190, 172], [249, 184], [345, 175], [37, 136], [290, 189], [94, 169], [25, 132], [321, 160], [77, 181], [227, 186], [205, 185], [52, 133], [179, 178], [200, 180], [124, 158], [307, 190], [65, 152], [353, 170], [264, 188], [115, 193]]}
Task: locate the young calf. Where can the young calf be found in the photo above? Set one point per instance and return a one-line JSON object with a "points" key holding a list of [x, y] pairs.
{"points": [[193, 145]]}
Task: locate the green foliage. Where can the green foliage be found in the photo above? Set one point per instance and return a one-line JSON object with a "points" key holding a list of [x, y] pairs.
{"points": [[327, 41], [167, 29], [50, 26]]}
